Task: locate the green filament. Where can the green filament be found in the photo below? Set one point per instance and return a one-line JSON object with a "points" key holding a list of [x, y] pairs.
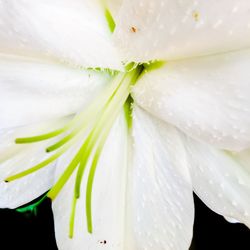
{"points": [[90, 181], [36, 167], [65, 140], [117, 98], [128, 111], [72, 218], [110, 20], [98, 119], [121, 100], [39, 138], [90, 187], [86, 115], [90, 113], [116, 104], [153, 65], [88, 146], [131, 66], [94, 125], [83, 153], [59, 143], [107, 120], [54, 191]]}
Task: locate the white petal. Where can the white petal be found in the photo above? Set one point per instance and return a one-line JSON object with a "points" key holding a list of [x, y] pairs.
{"points": [[32, 91], [161, 192], [24, 190], [108, 199], [243, 158], [231, 220], [75, 32], [208, 98], [220, 181], [173, 29]]}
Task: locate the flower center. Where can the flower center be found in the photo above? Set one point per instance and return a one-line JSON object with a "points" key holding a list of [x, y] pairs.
{"points": [[94, 124]]}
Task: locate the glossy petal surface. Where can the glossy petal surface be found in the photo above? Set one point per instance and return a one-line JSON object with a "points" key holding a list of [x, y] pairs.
{"points": [[161, 193], [177, 29], [33, 91], [72, 32], [220, 181], [108, 200], [208, 97]]}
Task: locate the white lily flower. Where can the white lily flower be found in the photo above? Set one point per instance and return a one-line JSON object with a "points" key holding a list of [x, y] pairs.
{"points": [[131, 182]]}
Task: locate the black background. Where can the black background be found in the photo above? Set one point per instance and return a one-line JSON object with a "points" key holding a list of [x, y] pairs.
{"points": [[30, 231]]}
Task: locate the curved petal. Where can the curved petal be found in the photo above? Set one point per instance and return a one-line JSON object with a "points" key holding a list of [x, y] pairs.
{"points": [[108, 199], [220, 181], [15, 159], [208, 97], [75, 32], [161, 192], [174, 29], [33, 91]]}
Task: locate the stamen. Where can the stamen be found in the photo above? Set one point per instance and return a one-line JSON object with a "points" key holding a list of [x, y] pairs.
{"points": [[128, 111], [65, 139], [116, 101], [90, 186], [87, 114], [99, 118], [38, 166], [84, 152], [153, 65], [121, 100], [92, 174], [72, 218], [102, 132], [59, 143], [54, 191], [110, 20], [41, 137]]}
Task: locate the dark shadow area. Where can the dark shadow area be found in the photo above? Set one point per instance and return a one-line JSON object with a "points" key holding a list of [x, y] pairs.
{"points": [[35, 230], [30, 230], [213, 232]]}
